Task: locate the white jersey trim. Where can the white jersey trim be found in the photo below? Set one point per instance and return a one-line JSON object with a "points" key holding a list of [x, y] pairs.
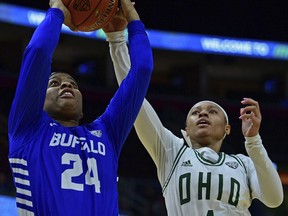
{"points": [[178, 156]]}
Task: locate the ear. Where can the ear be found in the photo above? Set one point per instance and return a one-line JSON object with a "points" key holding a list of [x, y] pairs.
{"points": [[227, 129], [81, 115]]}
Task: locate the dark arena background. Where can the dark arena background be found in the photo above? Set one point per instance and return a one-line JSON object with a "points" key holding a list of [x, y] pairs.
{"points": [[218, 50]]}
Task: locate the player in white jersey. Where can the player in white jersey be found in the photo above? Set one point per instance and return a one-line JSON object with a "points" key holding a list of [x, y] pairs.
{"points": [[197, 179]]}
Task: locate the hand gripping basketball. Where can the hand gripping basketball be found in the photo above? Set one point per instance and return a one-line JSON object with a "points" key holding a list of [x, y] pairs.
{"points": [[91, 15]]}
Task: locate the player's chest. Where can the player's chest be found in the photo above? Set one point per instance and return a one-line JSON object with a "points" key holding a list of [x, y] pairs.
{"points": [[87, 142], [201, 170], [224, 180], [78, 139]]}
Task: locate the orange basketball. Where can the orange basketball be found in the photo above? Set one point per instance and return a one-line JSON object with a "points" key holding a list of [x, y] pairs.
{"points": [[91, 15]]}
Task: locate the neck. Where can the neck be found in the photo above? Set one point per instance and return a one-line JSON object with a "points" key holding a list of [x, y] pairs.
{"points": [[214, 146], [70, 123]]}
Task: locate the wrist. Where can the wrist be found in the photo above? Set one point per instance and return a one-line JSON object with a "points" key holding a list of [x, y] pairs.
{"points": [[117, 36], [253, 140]]}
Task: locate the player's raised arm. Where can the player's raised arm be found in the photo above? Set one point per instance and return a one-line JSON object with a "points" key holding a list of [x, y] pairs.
{"points": [[35, 69], [266, 179], [125, 105], [148, 125]]}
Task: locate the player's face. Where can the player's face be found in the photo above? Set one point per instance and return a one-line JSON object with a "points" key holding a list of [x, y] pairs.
{"points": [[63, 98], [206, 124]]}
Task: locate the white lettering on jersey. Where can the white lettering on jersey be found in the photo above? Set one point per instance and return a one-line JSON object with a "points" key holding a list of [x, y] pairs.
{"points": [[70, 140]]}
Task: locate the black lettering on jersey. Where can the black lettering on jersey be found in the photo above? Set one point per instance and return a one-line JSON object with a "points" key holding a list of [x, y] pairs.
{"points": [[205, 187], [234, 192], [184, 187], [204, 184]]}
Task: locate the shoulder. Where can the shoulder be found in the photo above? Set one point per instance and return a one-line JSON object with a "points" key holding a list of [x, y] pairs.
{"points": [[241, 157], [243, 160]]}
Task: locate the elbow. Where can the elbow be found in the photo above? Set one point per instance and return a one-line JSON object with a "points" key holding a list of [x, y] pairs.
{"points": [[35, 48], [42, 46], [147, 66], [274, 201]]}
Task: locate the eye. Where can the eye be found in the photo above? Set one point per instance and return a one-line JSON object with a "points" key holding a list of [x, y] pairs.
{"points": [[213, 111], [53, 83], [74, 84], [196, 112]]}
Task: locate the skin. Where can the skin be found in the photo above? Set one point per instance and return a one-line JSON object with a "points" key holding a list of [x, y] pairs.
{"points": [[207, 126], [63, 100], [67, 16], [251, 117], [121, 19]]}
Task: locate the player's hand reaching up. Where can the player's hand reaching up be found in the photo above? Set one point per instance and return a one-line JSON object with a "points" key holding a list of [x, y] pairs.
{"points": [[117, 23], [251, 117], [67, 20], [129, 10], [124, 14]]}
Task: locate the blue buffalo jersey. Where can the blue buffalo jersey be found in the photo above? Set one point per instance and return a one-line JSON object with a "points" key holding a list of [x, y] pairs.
{"points": [[71, 171]]}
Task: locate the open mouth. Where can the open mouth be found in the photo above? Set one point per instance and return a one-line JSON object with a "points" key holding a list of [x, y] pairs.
{"points": [[203, 122], [67, 93]]}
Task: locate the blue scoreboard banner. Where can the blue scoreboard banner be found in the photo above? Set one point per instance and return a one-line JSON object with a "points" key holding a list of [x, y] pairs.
{"points": [[31, 17], [8, 206]]}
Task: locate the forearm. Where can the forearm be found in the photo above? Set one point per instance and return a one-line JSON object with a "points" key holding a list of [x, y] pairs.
{"points": [[133, 89], [35, 70], [36, 63], [268, 178], [119, 54], [147, 124]]}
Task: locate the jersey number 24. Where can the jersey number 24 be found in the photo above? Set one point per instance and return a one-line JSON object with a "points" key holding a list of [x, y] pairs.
{"points": [[91, 176]]}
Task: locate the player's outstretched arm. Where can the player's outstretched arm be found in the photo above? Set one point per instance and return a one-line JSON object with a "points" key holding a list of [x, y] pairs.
{"points": [[132, 90], [148, 125], [266, 178], [34, 72]]}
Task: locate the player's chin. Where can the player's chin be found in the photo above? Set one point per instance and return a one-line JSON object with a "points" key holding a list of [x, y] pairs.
{"points": [[67, 103]]}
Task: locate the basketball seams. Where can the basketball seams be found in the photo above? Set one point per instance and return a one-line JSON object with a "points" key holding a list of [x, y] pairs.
{"points": [[85, 18], [106, 16]]}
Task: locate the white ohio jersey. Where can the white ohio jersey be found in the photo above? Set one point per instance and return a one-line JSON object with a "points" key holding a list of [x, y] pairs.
{"points": [[200, 182], [199, 186]]}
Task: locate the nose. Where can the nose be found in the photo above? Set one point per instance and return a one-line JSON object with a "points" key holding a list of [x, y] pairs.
{"points": [[65, 85], [203, 113]]}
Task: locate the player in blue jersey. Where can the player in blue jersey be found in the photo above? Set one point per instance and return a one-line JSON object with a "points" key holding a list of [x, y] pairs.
{"points": [[61, 168], [197, 178]]}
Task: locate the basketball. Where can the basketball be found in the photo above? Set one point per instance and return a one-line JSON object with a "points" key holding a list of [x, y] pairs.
{"points": [[91, 15]]}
